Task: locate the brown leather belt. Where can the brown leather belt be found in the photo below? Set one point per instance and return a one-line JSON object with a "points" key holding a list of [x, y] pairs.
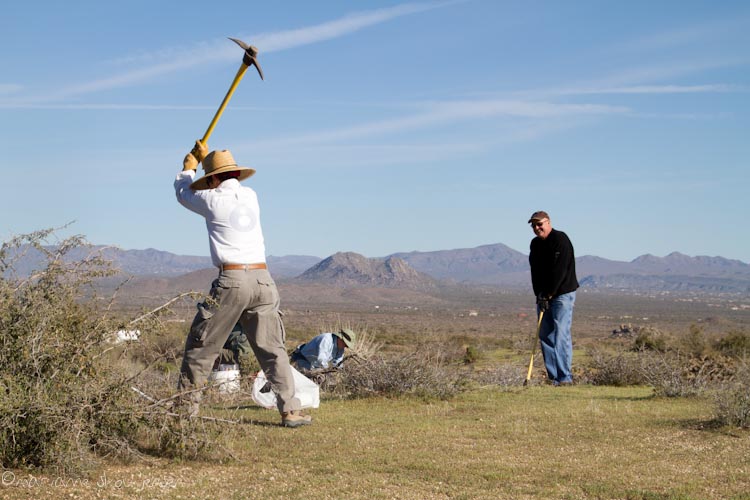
{"points": [[243, 267]]}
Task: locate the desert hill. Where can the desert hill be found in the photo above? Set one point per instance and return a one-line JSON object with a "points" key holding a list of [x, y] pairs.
{"points": [[349, 268]]}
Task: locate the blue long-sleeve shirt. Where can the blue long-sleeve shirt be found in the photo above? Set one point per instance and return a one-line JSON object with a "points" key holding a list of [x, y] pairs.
{"points": [[320, 352]]}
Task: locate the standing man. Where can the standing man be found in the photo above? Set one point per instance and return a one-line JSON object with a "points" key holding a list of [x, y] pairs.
{"points": [[553, 277], [244, 290]]}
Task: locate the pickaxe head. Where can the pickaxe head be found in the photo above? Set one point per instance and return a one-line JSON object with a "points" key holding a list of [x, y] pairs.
{"points": [[249, 59]]}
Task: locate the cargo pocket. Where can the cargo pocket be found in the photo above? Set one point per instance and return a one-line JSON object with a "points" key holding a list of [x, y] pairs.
{"points": [[282, 330], [200, 324], [208, 308], [267, 292]]}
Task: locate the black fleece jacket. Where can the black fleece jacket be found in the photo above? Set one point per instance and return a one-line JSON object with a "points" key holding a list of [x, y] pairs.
{"points": [[553, 265]]}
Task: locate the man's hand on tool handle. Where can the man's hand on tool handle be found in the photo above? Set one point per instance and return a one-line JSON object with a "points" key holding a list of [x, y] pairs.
{"points": [[195, 156], [543, 302]]}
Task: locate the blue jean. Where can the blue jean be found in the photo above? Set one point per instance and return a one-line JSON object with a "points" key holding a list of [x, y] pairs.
{"points": [[557, 343]]}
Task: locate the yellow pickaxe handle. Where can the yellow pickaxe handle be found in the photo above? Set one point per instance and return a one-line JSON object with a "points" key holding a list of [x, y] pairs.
{"points": [[248, 59], [533, 347], [232, 88]]}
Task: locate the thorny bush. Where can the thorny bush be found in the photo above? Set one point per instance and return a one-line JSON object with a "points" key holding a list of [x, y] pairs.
{"points": [[686, 367], [732, 403], [422, 373], [66, 397]]}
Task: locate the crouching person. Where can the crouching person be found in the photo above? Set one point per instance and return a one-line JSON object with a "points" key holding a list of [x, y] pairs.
{"points": [[244, 291], [324, 351]]}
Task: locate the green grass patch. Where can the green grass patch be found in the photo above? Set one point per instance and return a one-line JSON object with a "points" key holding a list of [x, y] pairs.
{"points": [[580, 442]]}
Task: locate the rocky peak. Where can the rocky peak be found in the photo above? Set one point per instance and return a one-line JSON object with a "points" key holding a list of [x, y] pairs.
{"points": [[349, 268]]}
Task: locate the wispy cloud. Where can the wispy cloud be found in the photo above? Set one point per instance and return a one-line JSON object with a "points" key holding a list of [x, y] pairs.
{"points": [[347, 155], [443, 113], [707, 32], [171, 60], [657, 89], [338, 148], [641, 80], [644, 74], [334, 29]]}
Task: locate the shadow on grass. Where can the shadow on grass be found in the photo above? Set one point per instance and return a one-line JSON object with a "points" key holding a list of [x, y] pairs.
{"points": [[258, 423], [645, 397], [714, 426], [252, 414]]}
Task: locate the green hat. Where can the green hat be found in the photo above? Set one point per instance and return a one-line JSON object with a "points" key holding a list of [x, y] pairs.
{"points": [[348, 336]]}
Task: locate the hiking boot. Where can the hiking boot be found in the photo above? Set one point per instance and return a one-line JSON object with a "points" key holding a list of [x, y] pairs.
{"points": [[295, 419]]}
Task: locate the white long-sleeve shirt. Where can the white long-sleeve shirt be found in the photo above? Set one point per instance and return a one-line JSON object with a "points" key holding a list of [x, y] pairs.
{"points": [[232, 218]]}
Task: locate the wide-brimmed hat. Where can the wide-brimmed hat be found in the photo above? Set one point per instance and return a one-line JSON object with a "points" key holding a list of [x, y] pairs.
{"points": [[348, 336], [217, 162]]}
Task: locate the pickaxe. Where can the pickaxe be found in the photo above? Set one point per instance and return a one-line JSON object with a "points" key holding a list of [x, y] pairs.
{"points": [[248, 59]]}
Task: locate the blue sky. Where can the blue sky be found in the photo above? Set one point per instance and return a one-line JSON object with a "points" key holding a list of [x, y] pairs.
{"points": [[385, 126]]}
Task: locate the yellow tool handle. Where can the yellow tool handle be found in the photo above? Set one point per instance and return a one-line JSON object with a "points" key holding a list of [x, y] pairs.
{"points": [[219, 111], [533, 347]]}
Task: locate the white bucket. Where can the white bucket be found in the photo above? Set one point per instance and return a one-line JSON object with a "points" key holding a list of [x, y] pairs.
{"points": [[226, 379]]}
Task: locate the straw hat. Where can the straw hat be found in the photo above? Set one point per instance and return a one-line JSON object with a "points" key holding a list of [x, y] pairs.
{"points": [[348, 336], [217, 162]]}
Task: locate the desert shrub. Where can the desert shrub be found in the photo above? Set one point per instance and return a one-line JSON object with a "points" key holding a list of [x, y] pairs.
{"points": [[471, 355], [164, 344], [57, 399], [420, 373], [709, 369], [672, 374], [735, 344], [650, 339], [617, 369], [732, 400], [66, 397], [695, 342], [367, 344]]}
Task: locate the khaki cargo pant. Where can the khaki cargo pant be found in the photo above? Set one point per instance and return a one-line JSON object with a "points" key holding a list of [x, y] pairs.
{"points": [[252, 298]]}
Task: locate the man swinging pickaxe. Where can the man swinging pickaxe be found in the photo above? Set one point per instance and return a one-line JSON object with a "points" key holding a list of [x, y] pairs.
{"points": [[248, 59]]}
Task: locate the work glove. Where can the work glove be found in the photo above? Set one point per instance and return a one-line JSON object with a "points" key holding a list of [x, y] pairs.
{"points": [[542, 303], [195, 156]]}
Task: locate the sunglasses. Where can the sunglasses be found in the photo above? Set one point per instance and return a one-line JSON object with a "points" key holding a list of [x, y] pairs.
{"points": [[538, 224]]}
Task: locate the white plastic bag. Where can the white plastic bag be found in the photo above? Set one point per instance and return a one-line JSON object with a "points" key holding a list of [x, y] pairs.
{"points": [[305, 390]]}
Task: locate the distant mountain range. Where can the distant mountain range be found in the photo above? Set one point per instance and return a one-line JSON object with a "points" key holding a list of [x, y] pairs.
{"points": [[152, 262], [502, 266], [487, 264], [494, 265]]}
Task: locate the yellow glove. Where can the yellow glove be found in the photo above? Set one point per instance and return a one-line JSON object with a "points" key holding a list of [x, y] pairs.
{"points": [[189, 163], [200, 151], [195, 156]]}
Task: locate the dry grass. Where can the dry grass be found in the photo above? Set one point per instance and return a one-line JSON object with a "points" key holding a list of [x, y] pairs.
{"points": [[581, 442]]}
